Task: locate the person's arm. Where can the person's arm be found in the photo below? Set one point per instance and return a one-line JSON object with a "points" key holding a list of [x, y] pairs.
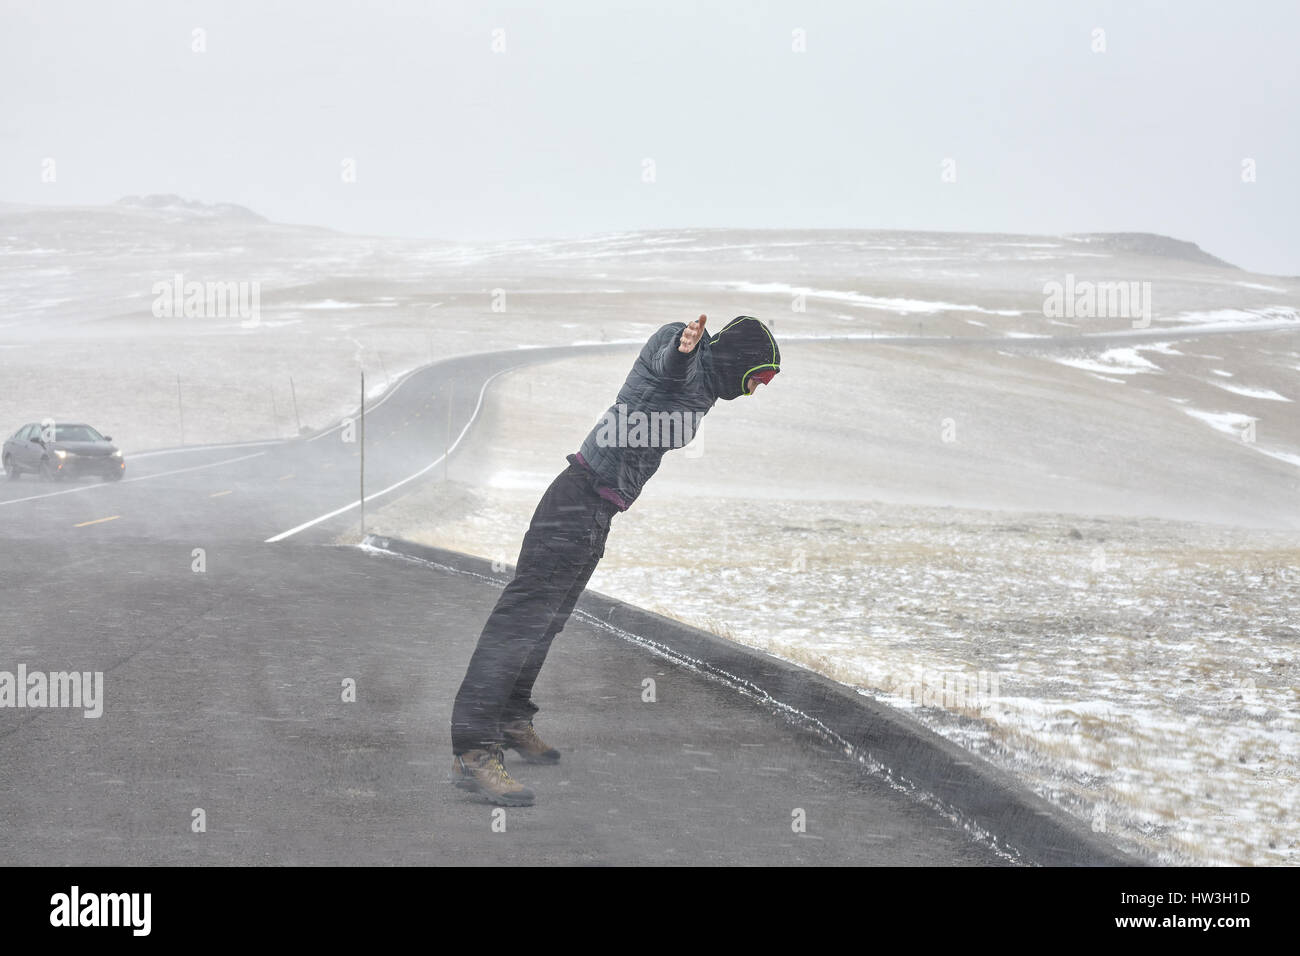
{"points": [[674, 356]]}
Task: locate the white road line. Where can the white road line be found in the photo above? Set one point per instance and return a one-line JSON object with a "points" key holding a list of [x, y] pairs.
{"points": [[433, 464], [125, 481]]}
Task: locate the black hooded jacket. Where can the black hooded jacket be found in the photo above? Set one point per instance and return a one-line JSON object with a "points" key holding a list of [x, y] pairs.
{"points": [[666, 395]]}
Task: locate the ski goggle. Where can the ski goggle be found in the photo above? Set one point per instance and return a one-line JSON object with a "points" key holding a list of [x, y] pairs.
{"points": [[764, 373]]}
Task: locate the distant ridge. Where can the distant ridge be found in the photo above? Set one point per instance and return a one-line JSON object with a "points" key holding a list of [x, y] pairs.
{"points": [[191, 208], [1152, 244], [170, 206]]}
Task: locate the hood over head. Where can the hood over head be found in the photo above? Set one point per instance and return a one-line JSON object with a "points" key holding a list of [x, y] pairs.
{"points": [[743, 347]]}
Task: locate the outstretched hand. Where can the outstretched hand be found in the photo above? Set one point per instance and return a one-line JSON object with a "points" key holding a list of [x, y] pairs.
{"points": [[691, 335]]}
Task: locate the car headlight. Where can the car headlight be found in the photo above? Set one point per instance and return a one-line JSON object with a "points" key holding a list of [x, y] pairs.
{"points": [[60, 454], [116, 454]]}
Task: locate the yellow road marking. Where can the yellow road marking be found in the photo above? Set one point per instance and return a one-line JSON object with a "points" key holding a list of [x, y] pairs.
{"points": [[219, 494], [96, 521]]}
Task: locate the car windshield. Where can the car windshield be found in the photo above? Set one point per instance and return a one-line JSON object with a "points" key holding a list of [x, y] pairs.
{"points": [[76, 433]]}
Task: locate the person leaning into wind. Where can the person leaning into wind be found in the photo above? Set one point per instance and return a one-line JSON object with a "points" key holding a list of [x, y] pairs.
{"points": [[678, 376]]}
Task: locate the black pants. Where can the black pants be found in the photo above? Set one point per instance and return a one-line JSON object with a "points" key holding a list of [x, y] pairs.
{"points": [[564, 543]]}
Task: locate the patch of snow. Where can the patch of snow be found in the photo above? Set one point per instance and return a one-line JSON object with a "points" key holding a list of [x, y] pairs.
{"points": [[1164, 348], [1264, 393], [1120, 361], [331, 304], [1230, 423], [1269, 317]]}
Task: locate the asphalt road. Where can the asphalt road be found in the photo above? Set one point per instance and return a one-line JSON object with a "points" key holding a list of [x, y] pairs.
{"points": [[223, 691]]}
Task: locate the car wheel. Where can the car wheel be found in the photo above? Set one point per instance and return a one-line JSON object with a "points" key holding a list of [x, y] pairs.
{"points": [[114, 476], [11, 470]]}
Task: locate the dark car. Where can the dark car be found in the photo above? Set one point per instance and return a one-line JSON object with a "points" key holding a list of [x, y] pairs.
{"points": [[56, 451]]}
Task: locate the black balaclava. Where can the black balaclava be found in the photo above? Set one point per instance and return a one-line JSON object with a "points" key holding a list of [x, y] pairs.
{"points": [[744, 346]]}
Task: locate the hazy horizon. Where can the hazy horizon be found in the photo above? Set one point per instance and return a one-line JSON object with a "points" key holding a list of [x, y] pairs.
{"points": [[399, 119], [123, 201]]}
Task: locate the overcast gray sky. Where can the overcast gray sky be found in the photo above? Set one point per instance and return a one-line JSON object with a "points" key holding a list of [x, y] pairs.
{"points": [[550, 137]]}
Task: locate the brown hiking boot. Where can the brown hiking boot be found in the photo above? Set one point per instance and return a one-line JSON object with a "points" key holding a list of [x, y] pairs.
{"points": [[481, 771], [521, 736]]}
